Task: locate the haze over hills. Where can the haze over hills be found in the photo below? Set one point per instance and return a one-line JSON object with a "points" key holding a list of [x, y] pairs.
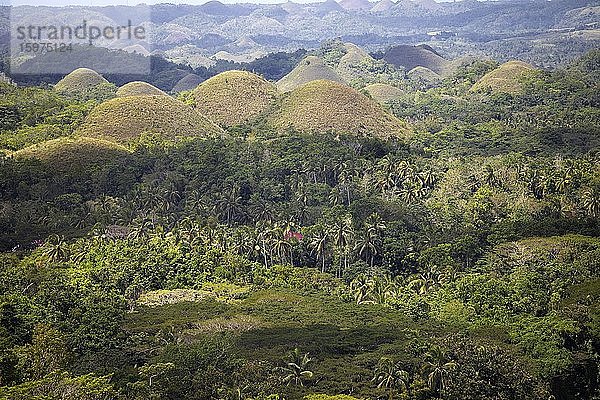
{"points": [[202, 34]]}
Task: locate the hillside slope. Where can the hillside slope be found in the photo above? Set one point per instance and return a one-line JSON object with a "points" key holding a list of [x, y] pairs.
{"points": [[322, 105], [234, 97], [126, 118], [310, 69], [504, 79]]}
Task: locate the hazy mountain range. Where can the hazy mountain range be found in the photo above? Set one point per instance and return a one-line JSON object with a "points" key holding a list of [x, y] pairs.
{"points": [[543, 32]]}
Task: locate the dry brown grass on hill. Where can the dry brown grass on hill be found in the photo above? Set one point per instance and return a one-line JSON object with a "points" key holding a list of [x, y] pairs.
{"points": [[322, 105], [383, 93], [68, 155], [310, 69], [504, 79], [125, 118], [138, 88], [79, 80], [234, 97]]}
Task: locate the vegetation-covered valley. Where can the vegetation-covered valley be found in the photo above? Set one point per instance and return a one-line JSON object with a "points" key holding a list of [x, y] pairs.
{"points": [[431, 239]]}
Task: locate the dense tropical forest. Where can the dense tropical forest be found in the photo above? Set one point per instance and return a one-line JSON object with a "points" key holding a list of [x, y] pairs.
{"points": [[240, 253]]}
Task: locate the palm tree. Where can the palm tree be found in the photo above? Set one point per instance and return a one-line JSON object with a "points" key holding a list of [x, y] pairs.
{"points": [[361, 287], [490, 176], [369, 241], [380, 290], [229, 205], [591, 202], [261, 210], [423, 282], [296, 368], [427, 178], [366, 247], [55, 249], [281, 246], [318, 244], [391, 376], [437, 368], [342, 235], [346, 173]]}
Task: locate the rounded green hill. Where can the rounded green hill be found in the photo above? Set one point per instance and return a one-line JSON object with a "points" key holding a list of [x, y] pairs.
{"points": [[424, 76], [188, 82], [85, 84], [310, 69], [383, 93], [69, 155], [234, 97], [138, 88], [322, 105], [79, 79], [354, 63], [410, 57], [504, 79], [125, 118]]}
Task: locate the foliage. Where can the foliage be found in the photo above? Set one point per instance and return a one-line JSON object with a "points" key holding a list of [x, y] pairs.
{"points": [[461, 262]]}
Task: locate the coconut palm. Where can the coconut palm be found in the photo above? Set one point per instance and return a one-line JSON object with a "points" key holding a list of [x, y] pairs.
{"points": [[261, 210], [346, 174], [490, 176], [366, 247], [437, 367], [361, 288], [229, 205], [296, 368], [591, 202], [427, 178], [391, 376], [368, 244], [319, 244], [342, 233], [55, 249]]}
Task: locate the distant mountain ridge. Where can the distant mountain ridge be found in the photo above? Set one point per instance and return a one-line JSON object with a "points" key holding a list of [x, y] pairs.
{"points": [[202, 34]]}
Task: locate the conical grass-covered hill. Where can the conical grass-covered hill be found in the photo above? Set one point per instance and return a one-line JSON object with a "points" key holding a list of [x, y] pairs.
{"points": [[322, 105], [352, 64], [79, 79], [85, 84], [188, 82], [423, 75], [138, 88], [124, 119], [383, 93], [234, 98], [410, 57], [73, 156], [504, 79], [310, 69]]}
